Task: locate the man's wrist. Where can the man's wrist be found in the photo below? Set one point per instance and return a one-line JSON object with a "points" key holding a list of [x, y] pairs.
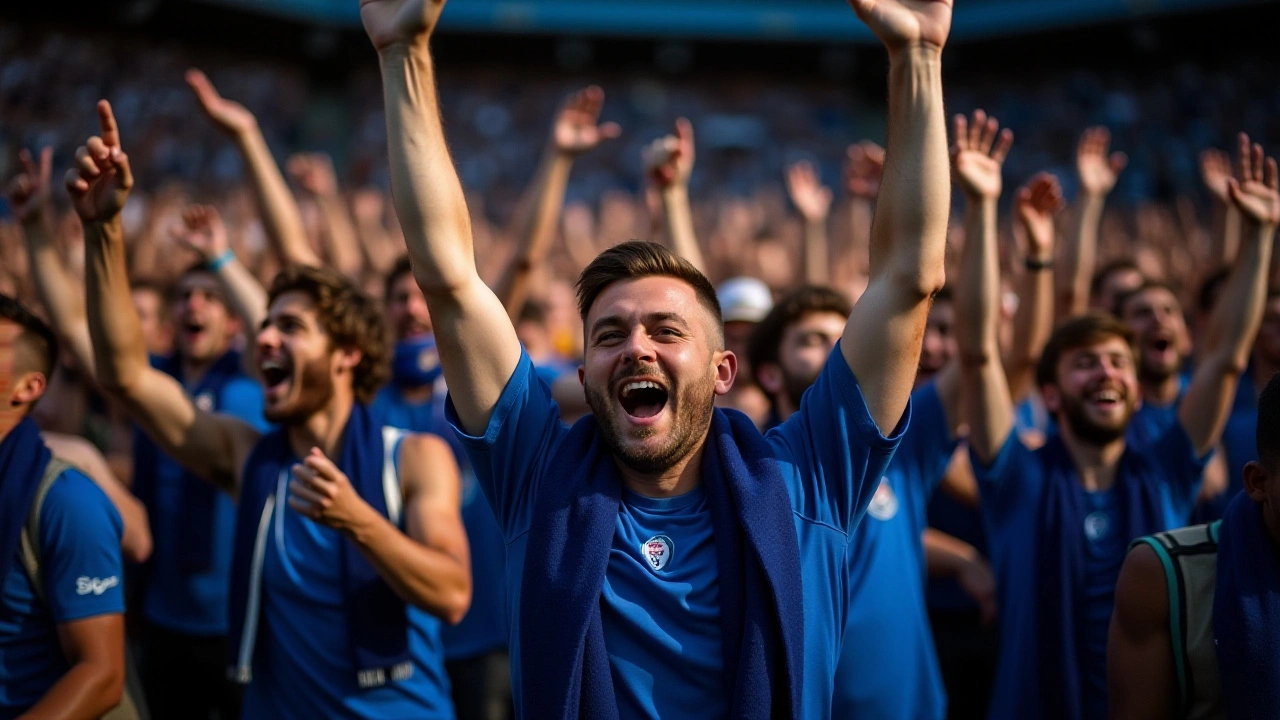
{"points": [[1038, 262], [221, 260]]}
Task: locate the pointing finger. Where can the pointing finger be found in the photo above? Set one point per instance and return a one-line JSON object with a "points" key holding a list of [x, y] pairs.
{"points": [[107, 120]]}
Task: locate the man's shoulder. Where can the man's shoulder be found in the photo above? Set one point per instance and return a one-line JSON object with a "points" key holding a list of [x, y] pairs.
{"points": [[75, 510]]}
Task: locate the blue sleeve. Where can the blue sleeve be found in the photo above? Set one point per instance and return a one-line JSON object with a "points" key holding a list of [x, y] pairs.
{"points": [[1009, 480], [837, 453], [508, 460], [242, 398], [927, 446], [1181, 467], [80, 533]]}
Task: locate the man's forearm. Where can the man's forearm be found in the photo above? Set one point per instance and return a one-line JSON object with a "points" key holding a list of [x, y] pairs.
{"points": [[947, 556], [119, 348], [1226, 236], [340, 236], [1081, 257], [86, 692], [1032, 325], [423, 577], [60, 292], [817, 269], [1236, 317], [544, 202], [680, 232], [245, 295], [280, 216]]}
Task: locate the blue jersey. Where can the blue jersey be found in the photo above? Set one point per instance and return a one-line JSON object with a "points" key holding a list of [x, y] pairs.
{"points": [[484, 628], [182, 600], [831, 457], [1013, 488], [888, 666], [303, 650], [80, 565], [1151, 420]]}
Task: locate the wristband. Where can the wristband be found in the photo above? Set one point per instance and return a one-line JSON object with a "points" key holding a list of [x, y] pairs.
{"points": [[1033, 264], [223, 258]]}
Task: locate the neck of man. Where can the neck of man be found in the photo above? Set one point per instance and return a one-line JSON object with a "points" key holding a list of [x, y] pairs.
{"points": [[676, 480], [1160, 391], [324, 428], [193, 370], [9, 419], [1095, 463]]}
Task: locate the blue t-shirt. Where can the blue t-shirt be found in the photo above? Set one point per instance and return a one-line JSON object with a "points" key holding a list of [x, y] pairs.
{"points": [[303, 650], [1239, 447], [831, 456], [176, 598], [888, 666], [1152, 420], [79, 555], [484, 628], [1104, 552], [1012, 490]]}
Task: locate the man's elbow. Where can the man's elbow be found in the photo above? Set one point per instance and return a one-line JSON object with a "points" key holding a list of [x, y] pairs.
{"points": [[106, 684], [454, 605], [137, 549], [918, 285]]}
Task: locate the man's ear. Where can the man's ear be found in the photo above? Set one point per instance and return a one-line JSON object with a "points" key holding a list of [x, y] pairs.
{"points": [[349, 357], [27, 388], [1255, 481], [1052, 398], [726, 371]]}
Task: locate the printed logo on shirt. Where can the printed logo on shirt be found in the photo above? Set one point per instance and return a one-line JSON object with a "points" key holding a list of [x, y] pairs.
{"points": [[96, 586], [884, 504], [657, 550], [1096, 526], [428, 359], [204, 401]]}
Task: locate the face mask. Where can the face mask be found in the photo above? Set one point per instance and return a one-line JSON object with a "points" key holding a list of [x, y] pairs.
{"points": [[416, 362]]}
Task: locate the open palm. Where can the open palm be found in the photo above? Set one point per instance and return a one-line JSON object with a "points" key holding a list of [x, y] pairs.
{"points": [[577, 128], [1257, 191], [978, 154], [396, 22], [899, 23], [1035, 205], [1097, 170], [229, 115]]}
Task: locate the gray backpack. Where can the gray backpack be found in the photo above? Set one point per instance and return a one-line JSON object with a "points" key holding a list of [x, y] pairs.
{"points": [[126, 710]]}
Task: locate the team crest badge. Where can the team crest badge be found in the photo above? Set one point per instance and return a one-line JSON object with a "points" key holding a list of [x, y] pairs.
{"points": [[1096, 526], [204, 401], [884, 504], [428, 359], [657, 551]]}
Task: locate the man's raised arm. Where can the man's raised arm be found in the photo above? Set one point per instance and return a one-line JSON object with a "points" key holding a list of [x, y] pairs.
{"points": [[882, 339], [478, 347], [212, 446]]}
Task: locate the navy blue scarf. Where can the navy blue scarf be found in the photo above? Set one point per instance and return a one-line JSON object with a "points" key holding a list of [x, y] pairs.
{"points": [[377, 619], [1061, 582], [197, 498], [23, 458], [564, 665], [1246, 613]]}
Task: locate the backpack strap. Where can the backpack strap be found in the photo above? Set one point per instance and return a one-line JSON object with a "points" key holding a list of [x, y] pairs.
{"points": [[31, 533]]}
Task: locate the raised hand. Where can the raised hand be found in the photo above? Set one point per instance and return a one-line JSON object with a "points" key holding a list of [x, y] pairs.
{"points": [[807, 193], [978, 155], [577, 127], [313, 172], [230, 116], [906, 23], [1215, 171], [29, 192], [201, 230], [668, 161], [101, 180], [1035, 205], [1255, 190], [399, 22], [863, 168], [1097, 170]]}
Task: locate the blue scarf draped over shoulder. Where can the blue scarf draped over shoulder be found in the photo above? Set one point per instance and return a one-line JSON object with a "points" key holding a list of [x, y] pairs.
{"points": [[564, 664], [377, 618]]}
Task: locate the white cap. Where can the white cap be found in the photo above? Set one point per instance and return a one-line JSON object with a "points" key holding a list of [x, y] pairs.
{"points": [[744, 299]]}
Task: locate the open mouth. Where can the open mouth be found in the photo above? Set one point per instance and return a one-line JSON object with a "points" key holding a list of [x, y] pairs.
{"points": [[642, 399], [275, 373], [192, 329], [1106, 398], [1161, 345]]}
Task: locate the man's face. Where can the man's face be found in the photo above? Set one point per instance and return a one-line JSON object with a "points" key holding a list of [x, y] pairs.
{"points": [[1156, 319], [806, 345], [1267, 345], [204, 326], [156, 328], [1097, 391], [1114, 285], [939, 340], [651, 372], [299, 369], [20, 382], [407, 308], [9, 334]]}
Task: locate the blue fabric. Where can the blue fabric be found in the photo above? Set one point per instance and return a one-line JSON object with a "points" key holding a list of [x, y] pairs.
{"points": [[1246, 613], [415, 363], [484, 628], [184, 585], [831, 456], [304, 644], [567, 670], [888, 666], [79, 549], [1035, 509], [23, 458], [376, 619], [1239, 447], [1152, 420], [1104, 553]]}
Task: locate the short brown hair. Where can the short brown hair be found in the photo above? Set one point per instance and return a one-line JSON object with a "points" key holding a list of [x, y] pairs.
{"points": [[1078, 332], [637, 259], [1123, 299], [349, 317], [762, 348]]}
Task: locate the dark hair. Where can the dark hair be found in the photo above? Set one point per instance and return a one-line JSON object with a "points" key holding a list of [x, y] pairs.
{"points": [[1267, 435], [350, 318], [199, 267], [1106, 271], [402, 267], [35, 334], [762, 347], [638, 259], [155, 287], [1077, 332], [1123, 299], [1211, 289]]}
